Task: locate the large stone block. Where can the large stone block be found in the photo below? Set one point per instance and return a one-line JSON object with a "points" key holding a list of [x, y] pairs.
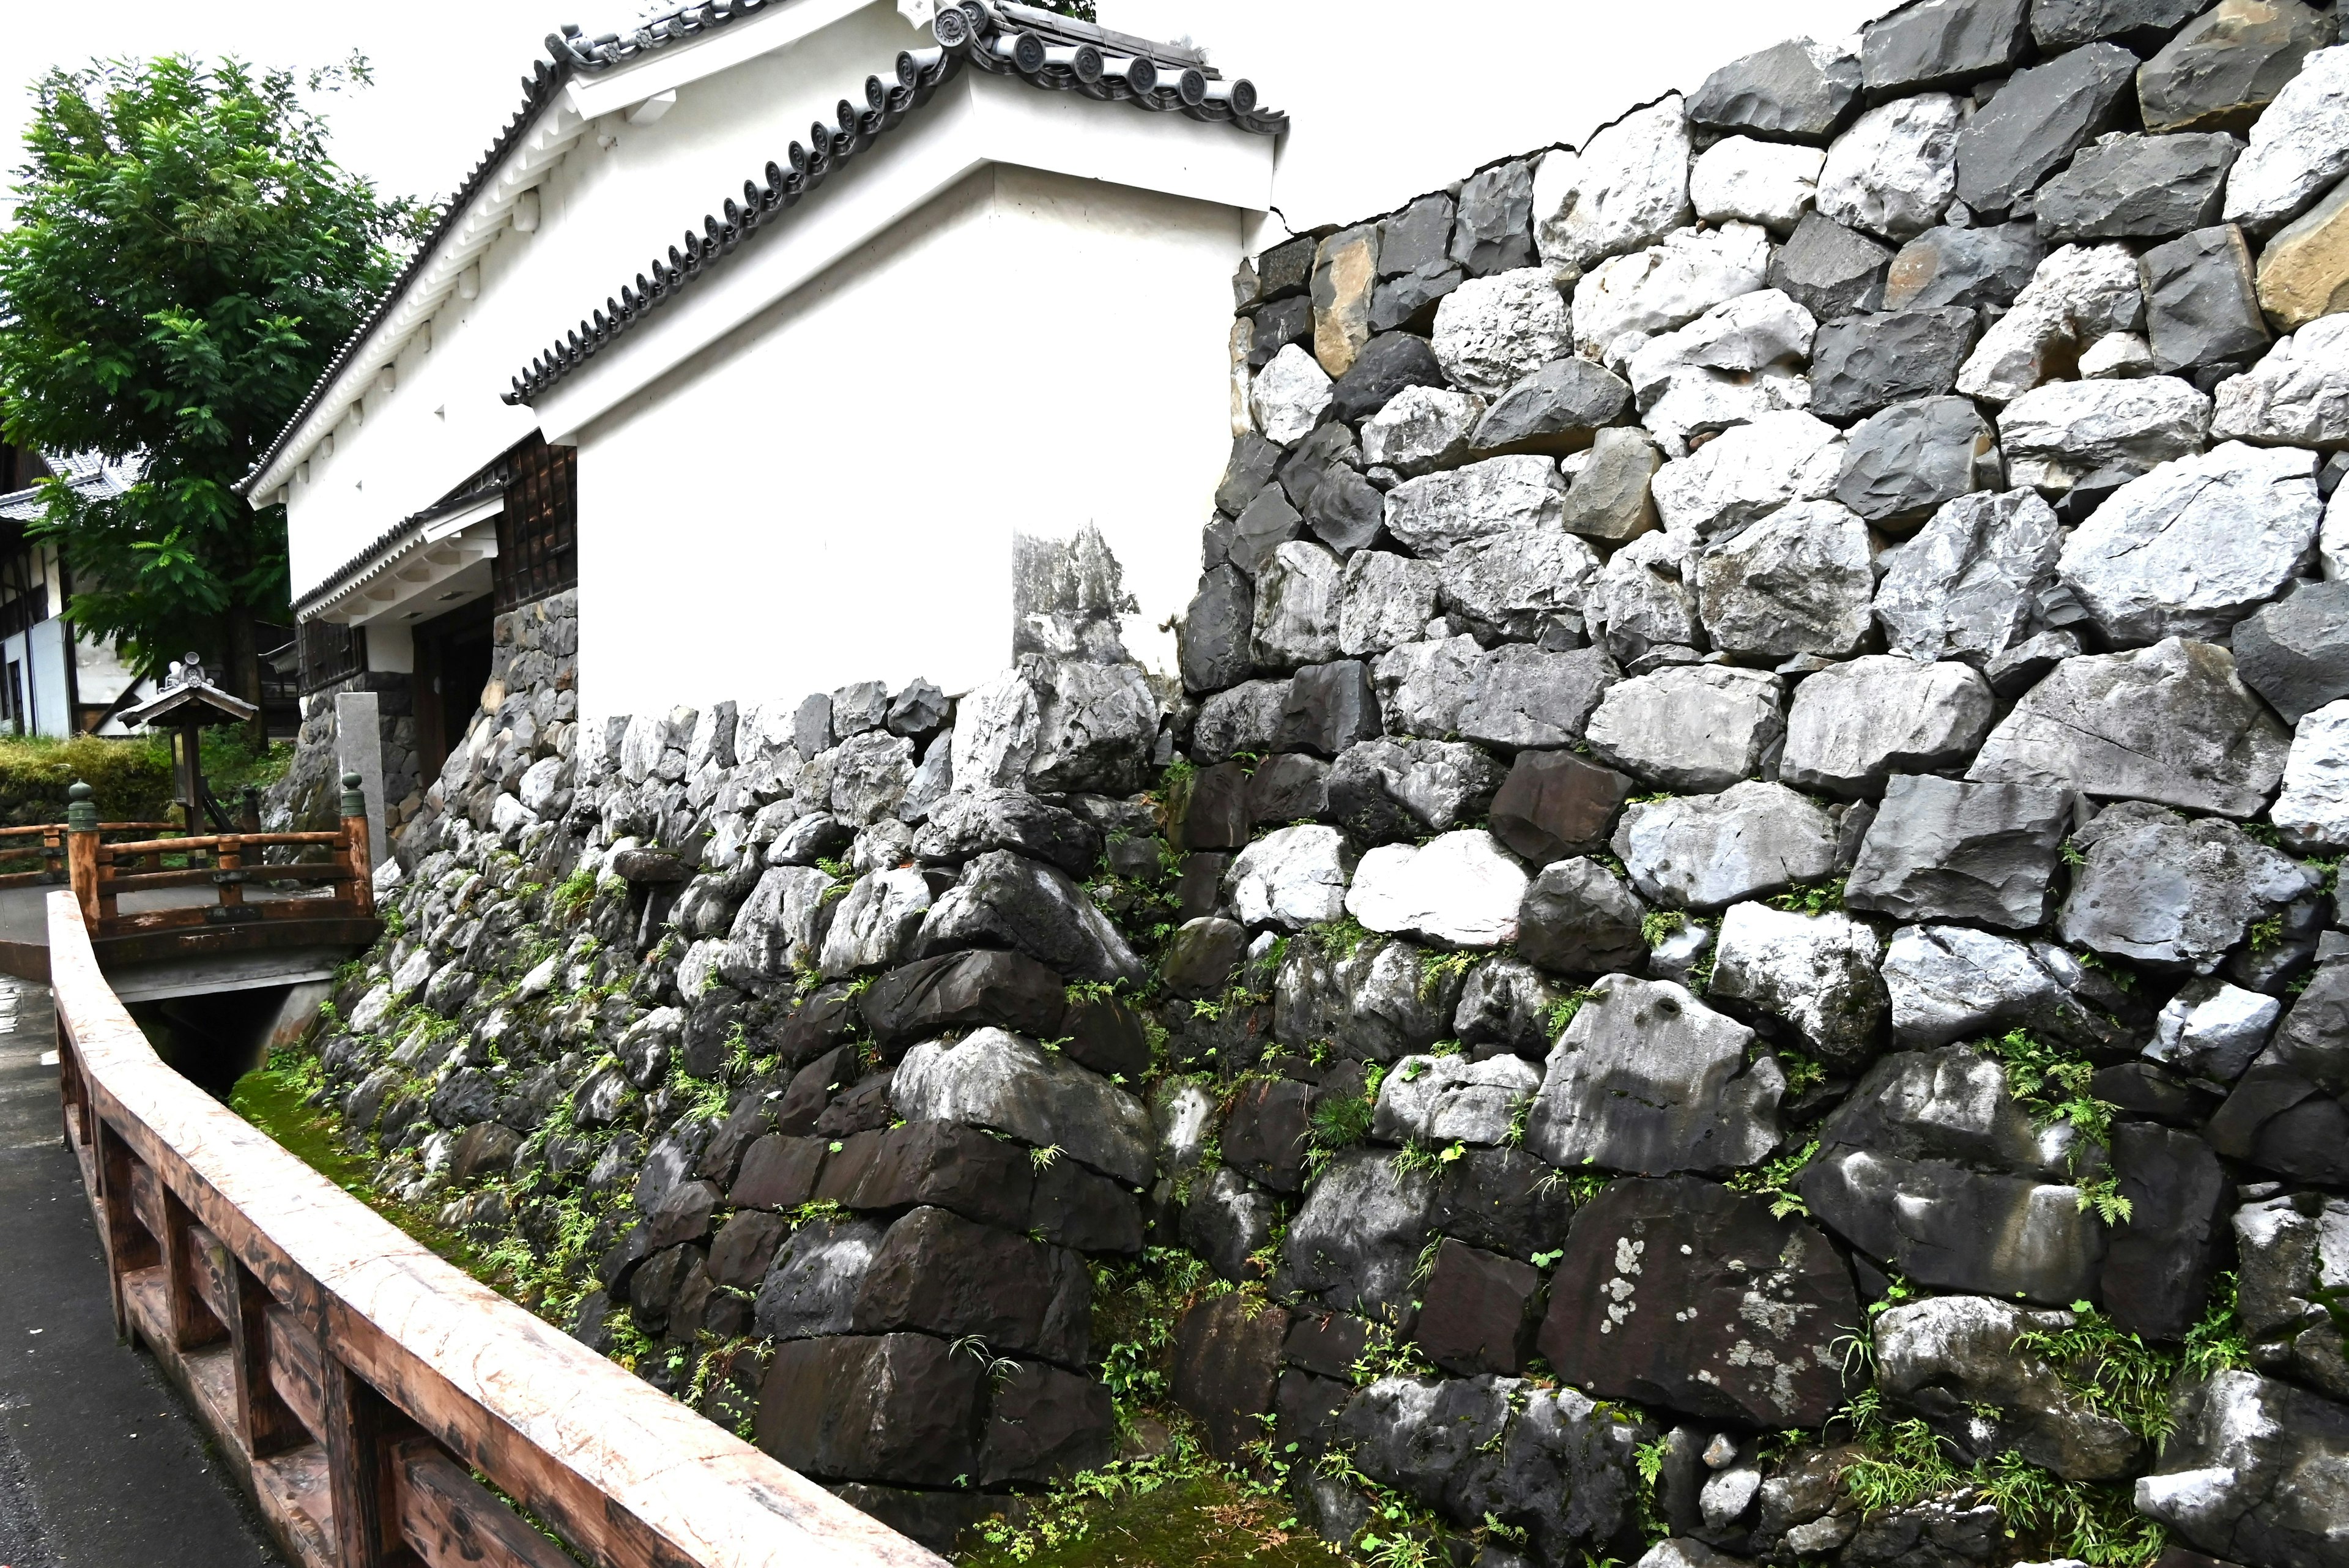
{"points": [[991, 1079], [899, 1407], [1941, 850]]}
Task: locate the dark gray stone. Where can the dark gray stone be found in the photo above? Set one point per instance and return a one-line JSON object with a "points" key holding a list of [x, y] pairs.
{"points": [[1227, 1220], [1930, 1167], [1250, 469], [1901, 464], [919, 712], [1942, 43], [1347, 510], [1415, 265], [2037, 121], [2288, 1249], [1654, 1302], [1201, 957], [1330, 707], [1493, 231], [1278, 324], [1354, 1244], [811, 725], [1288, 788], [2137, 188], [1387, 364], [1829, 270], [1954, 1361], [1286, 269], [1862, 363], [902, 1408], [1385, 790], [1972, 267], [2162, 890], [1527, 697], [2295, 651], [1226, 1362], [2141, 25], [936, 1272], [1578, 917], [1943, 850], [2202, 300], [811, 1288], [2229, 63], [1004, 899], [1556, 408], [965, 822], [1309, 462], [1610, 499], [1649, 1079], [1794, 91], [1476, 1316], [1047, 1424], [1505, 1006], [2240, 1478], [1263, 526], [1554, 805], [2158, 1266]]}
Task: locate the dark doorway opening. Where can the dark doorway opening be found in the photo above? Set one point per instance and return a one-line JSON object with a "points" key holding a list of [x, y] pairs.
{"points": [[453, 666]]}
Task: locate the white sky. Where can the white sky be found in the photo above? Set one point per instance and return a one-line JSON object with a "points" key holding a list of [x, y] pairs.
{"points": [[1391, 96]]}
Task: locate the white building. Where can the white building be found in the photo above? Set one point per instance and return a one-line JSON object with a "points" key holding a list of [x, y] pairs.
{"points": [[53, 680], [993, 300]]}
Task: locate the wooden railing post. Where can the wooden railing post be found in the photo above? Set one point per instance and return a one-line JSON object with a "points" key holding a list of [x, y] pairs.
{"points": [[265, 1424], [189, 1319], [358, 855], [127, 1245], [81, 851], [229, 857], [361, 1429]]}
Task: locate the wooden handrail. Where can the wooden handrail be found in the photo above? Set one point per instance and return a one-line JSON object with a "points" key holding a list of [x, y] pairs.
{"points": [[223, 841], [356, 1383]]}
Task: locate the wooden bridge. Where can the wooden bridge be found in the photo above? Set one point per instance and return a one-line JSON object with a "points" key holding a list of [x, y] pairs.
{"points": [[383, 1409]]}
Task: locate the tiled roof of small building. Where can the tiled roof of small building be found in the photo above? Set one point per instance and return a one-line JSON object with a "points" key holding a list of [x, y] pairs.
{"points": [[85, 472], [1037, 46]]}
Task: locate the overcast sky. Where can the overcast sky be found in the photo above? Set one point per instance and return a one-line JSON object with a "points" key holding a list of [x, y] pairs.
{"points": [[447, 73]]}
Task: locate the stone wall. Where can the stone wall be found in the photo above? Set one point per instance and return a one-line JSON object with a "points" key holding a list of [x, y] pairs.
{"points": [[308, 799], [1731, 941]]}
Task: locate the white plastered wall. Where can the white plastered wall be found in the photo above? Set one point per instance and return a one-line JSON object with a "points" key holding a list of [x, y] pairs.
{"points": [[832, 496]]}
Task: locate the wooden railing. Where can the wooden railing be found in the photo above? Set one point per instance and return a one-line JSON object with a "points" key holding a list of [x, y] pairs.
{"points": [[35, 857], [227, 863], [362, 1388]]}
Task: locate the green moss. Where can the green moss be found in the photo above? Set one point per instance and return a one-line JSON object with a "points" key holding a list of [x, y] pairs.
{"points": [[276, 1098], [1197, 1516]]}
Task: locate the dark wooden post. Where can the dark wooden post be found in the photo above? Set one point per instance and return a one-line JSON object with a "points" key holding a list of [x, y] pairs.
{"points": [[358, 855], [81, 851], [191, 1322], [265, 1422], [129, 1247], [228, 860], [361, 1429]]}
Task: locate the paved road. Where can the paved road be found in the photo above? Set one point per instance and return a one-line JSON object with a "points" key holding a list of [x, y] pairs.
{"points": [[99, 1465]]}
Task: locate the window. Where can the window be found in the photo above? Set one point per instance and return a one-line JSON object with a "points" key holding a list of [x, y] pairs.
{"points": [[330, 652], [538, 539]]}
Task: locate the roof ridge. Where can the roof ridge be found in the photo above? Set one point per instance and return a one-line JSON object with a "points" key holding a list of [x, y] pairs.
{"points": [[968, 34]]}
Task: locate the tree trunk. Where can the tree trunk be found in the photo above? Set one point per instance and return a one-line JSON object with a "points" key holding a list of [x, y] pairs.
{"points": [[243, 676]]}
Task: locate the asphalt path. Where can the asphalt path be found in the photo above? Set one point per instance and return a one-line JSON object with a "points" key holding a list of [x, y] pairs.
{"points": [[100, 1464]]}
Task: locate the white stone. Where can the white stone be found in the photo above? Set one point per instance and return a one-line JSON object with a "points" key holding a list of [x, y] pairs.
{"points": [[1665, 285], [2299, 145], [1854, 725], [2077, 296], [2194, 546], [1797, 581], [1388, 600], [1642, 597], [1421, 427], [1894, 171], [2313, 809], [1747, 472], [1440, 512], [2100, 434], [1816, 972], [1289, 395], [2115, 355], [2211, 1030], [872, 924], [1297, 602], [1627, 188], [1491, 331], [1705, 851], [1512, 579], [1765, 183], [2298, 394], [1444, 1100], [1689, 726], [1292, 877], [1967, 586], [1461, 889], [1736, 362]]}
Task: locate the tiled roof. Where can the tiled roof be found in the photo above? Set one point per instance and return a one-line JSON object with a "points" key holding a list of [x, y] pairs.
{"points": [[538, 89], [86, 472], [1041, 48], [406, 533]]}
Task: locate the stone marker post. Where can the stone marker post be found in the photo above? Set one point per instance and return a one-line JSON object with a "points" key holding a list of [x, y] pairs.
{"points": [[359, 749]]}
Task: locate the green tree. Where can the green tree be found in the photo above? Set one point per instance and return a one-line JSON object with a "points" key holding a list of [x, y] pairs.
{"points": [[185, 261]]}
